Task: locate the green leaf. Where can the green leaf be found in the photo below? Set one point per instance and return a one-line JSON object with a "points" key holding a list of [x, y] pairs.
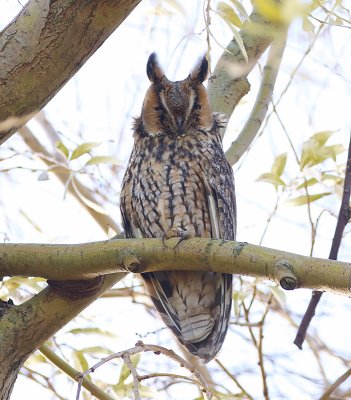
{"points": [[147, 392], [31, 222], [176, 5], [83, 149], [124, 374], [97, 350], [228, 14], [268, 177], [94, 331], [309, 182], [270, 9], [96, 207], [103, 160], [35, 358], [334, 178], [315, 152], [334, 150], [322, 137], [62, 148], [238, 297], [228, 396], [239, 41], [279, 164], [125, 371], [240, 8], [307, 25], [79, 361], [278, 294], [301, 200]]}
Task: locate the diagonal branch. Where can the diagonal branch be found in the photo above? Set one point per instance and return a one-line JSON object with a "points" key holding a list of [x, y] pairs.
{"points": [[44, 46], [25, 327], [259, 109], [72, 373], [343, 219], [229, 84]]}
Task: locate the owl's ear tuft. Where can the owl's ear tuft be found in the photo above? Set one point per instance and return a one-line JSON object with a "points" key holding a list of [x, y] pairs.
{"points": [[153, 69], [200, 72]]}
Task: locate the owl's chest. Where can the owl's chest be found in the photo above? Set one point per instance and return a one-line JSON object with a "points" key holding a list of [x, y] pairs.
{"points": [[165, 187], [165, 163]]}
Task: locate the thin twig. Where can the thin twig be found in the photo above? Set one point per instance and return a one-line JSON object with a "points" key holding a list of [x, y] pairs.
{"points": [[343, 219], [127, 360], [252, 324], [335, 385], [271, 215], [260, 350], [139, 348], [232, 377], [72, 373]]}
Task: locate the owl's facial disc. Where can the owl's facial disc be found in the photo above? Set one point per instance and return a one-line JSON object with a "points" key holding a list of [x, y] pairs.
{"points": [[177, 100]]}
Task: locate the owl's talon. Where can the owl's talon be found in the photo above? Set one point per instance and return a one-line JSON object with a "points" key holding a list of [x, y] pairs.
{"points": [[176, 232], [186, 235]]}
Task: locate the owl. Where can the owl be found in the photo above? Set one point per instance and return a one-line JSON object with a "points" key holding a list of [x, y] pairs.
{"points": [[179, 184]]}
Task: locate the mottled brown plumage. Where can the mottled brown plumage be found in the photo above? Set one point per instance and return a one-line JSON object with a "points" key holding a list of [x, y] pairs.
{"points": [[178, 183]]}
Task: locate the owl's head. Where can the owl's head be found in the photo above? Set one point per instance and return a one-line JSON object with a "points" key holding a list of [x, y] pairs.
{"points": [[176, 108]]}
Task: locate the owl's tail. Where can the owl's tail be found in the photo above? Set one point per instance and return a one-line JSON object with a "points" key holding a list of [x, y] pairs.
{"points": [[195, 306]]}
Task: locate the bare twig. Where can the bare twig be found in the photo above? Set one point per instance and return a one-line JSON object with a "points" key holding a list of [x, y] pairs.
{"points": [[72, 373], [127, 360], [260, 350], [232, 377], [335, 385], [139, 348], [343, 218]]}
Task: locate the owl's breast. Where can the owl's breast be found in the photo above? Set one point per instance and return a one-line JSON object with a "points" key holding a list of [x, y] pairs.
{"points": [[167, 188]]}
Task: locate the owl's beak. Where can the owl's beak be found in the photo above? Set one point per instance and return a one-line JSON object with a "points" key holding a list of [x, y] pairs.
{"points": [[180, 124]]}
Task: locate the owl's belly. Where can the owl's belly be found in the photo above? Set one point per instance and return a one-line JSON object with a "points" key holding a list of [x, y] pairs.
{"points": [[168, 197]]}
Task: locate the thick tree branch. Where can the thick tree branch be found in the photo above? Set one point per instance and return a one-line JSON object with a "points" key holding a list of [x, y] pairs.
{"points": [[259, 109], [229, 84], [44, 46], [26, 327], [84, 261]]}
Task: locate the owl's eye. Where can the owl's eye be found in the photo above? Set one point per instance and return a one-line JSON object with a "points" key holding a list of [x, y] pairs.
{"points": [[158, 109], [197, 107]]}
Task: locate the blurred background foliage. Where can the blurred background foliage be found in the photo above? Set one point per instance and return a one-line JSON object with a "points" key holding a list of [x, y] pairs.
{"points": [[61, 176]]}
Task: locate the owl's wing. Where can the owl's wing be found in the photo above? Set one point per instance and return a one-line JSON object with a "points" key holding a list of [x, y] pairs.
{"points": [[222, 210], [159, 287], [221, 200], [202, 333]]}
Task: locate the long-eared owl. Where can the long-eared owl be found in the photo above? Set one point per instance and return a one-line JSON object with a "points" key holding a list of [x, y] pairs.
{"points": [[178, 183]]}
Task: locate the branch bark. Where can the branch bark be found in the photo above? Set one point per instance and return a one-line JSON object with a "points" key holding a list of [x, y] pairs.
{"points": [[44, 46], [229, 84], [143, 255], [26, 327], [259, 110]]}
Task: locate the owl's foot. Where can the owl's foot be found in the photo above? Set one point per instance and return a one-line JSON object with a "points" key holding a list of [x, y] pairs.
{"points": [[176, 232]]}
